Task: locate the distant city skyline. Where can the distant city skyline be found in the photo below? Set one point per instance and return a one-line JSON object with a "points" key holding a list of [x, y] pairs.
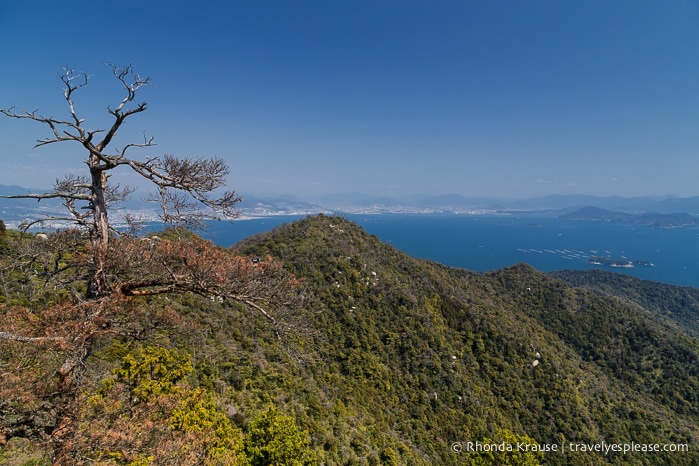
{"points": [[496, 99]]}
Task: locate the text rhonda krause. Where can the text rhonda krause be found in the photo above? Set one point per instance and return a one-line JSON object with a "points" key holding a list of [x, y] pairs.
{"points": [[605, 448]]}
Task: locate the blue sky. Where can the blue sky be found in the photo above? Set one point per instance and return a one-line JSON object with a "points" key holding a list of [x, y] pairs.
{"points": [[506, 99]]}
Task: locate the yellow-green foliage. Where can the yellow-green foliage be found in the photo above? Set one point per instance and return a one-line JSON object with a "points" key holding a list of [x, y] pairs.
{"points": [[154, 371], [410, 358], [273, 439], [146, 415], [198, 413], [142, 461]]}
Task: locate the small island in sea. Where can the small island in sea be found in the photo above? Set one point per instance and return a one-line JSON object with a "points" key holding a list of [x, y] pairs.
{"points": [[608, 261], [675, 220]]}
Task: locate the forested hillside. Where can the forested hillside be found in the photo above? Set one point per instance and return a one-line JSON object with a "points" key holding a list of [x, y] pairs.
{"points": [[473, 353], [678, 305], [389, 360]]}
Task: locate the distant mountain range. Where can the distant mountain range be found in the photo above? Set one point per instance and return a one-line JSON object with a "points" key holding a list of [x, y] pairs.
{"points": [[620, 208], [553, 205]]}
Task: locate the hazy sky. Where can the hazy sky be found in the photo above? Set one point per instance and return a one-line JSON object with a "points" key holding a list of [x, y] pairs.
{"points": [[494, 98]]}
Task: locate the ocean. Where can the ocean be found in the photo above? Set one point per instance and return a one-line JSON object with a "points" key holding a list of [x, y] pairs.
{"points": [[488, 242]]}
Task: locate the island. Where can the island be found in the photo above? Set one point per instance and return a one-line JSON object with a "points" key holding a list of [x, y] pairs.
{"points": [[623, 263], [657, 220]]}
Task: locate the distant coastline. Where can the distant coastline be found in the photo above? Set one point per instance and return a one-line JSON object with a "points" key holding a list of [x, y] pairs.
{"points": [[489, 242], [610, 208], [658, 220]]}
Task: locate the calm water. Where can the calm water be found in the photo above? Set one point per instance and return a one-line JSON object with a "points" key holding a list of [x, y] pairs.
{"points": [[490, 242]]}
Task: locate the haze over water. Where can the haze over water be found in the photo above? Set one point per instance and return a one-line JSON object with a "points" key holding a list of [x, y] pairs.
{"points": [[484, 243]]}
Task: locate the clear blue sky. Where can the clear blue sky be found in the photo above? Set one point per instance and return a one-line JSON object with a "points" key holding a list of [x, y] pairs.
{"points": [[507, 99]]}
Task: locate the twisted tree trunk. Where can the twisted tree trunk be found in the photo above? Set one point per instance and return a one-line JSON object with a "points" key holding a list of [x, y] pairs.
{"points": [[100, 230]]}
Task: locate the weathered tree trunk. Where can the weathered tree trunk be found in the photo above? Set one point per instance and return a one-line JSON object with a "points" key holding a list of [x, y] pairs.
{"points": [[100, 233], [87, 200]]}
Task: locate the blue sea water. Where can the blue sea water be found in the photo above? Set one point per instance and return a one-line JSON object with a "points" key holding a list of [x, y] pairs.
{"points": [[483, 242]]}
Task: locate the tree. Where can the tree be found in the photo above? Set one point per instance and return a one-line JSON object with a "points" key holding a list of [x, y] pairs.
{"points": [[146, 411], [3, 235], [183, 185], [65, 291], [273, 439]]}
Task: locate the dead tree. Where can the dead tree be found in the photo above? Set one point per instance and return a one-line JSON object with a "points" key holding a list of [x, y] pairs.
{"points": [[117, 271], [184, 185]]}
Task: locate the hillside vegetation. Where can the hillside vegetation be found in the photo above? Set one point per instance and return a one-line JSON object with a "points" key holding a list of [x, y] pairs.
{"points": [[678, 305], [392, 360]]}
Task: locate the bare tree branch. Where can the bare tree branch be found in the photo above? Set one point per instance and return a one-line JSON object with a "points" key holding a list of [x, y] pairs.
{"points": [[131, 83], [185, 186], [23, 339], [88, 280], [68, 78], [39, 197]]}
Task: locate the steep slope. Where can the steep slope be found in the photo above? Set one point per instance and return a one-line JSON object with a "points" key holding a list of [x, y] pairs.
{"points": [[393, 360], [678, 305], [433, 355]]}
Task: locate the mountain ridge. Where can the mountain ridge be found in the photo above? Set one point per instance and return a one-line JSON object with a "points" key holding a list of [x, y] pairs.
{"points": [[516, 313], [405, 361], [256, 205], [678, 305]]}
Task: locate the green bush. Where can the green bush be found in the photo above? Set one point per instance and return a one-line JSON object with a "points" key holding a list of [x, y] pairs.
{"points": [[272, 438]]}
